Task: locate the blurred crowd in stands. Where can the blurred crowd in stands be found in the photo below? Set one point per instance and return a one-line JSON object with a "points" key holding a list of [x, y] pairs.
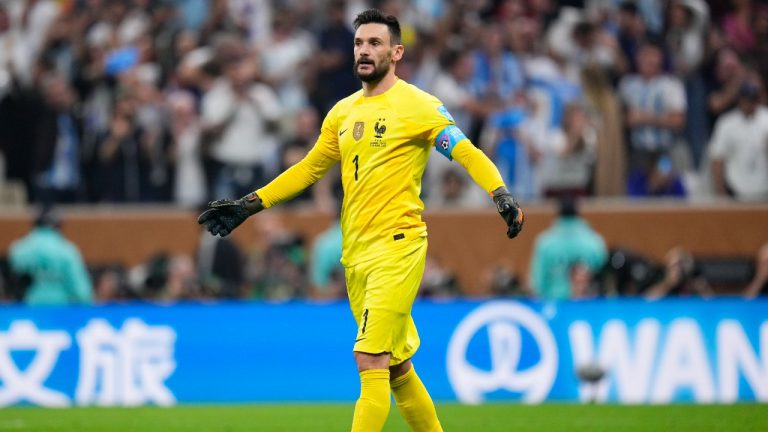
{"points": [[182, 101]]}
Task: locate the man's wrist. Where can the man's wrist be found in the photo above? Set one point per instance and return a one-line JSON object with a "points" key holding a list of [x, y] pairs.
{"points": [[500, 191], [253, 203]]}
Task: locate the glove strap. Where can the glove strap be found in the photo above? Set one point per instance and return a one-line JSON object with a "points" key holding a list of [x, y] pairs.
{"points": [[253, 203]]}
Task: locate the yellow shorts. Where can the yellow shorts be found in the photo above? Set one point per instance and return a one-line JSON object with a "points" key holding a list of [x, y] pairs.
{"points": [[381, 294]]}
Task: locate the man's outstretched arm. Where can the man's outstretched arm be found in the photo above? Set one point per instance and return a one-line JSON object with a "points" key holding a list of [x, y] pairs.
{"points": [[485, 174], [221, 217]]}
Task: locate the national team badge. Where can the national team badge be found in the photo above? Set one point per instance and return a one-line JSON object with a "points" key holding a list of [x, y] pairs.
{"points": [[358, 130]]}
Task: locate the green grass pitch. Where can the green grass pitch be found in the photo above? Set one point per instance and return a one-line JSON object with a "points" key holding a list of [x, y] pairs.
{"points": [[455, 418]]}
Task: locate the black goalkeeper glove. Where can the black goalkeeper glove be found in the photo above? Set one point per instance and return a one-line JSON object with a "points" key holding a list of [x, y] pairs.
{"points": [[223, 216], [509, 210]]}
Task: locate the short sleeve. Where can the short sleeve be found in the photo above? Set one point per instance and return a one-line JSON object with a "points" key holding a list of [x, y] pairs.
{"points": [[675, 95]]}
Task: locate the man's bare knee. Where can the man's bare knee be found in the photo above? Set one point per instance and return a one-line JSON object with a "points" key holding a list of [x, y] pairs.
{"points": [[366, 361], [399, 370]]}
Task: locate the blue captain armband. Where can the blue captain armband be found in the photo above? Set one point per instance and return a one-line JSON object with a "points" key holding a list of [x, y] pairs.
{"points": [[447, 139]]}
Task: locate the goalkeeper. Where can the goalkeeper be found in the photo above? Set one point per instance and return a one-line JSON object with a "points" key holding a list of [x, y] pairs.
{"points": [[382, 136]]}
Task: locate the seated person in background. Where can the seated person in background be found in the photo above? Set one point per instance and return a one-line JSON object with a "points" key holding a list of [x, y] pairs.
{"points": [[501, 279], [56, 271], [682, 277], [759, 284], [582, 281], [569, 240], [438, 281], [655, 177]]}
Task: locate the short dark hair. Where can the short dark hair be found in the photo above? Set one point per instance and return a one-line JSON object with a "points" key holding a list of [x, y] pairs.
{"points": [[378, 17]]}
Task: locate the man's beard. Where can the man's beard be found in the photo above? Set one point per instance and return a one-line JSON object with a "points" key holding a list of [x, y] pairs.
{"points": [[379, 71]]}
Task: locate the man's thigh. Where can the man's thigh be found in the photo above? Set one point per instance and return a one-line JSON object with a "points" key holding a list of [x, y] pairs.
{"points": [[381, 294]]}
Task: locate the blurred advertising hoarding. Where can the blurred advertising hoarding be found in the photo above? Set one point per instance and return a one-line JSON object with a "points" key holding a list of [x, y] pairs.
{"points": [[675, 350]]}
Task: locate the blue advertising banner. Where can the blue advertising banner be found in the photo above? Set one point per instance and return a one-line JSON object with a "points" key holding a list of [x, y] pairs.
{"points": [[703, 351]]}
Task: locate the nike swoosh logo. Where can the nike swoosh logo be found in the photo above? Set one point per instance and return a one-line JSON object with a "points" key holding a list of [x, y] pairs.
{"points": [[342, 132], [358, 340]]}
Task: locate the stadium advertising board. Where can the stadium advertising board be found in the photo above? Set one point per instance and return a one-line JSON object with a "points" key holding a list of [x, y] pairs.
{"points": [[667, 351]]}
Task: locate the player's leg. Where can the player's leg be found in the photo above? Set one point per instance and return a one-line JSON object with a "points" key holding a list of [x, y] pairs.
{"points": [[372, 407], [383, 313], [412, 399]]}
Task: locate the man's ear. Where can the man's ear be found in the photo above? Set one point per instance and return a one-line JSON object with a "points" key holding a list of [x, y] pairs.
{"points": [[397, 53]]}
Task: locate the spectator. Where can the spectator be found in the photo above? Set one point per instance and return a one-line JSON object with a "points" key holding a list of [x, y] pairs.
{"points": [[438, 281], [687, 22], [505, 139], [738, 25], [182, 282], [276, 269], [632, 32], [501, 280], [569, 241], [57, 143], [685, 39], [582, 281], [109, 284], [253, 19], [285, 61], [568, 162], [729, 75], [304, 133], [590, 46], [682, 277], [453, 86], [739, 148], [760, 53], [127, 155], [333, 81], [654, 176], [655, 104], [235, 110], [498, 77], [220, 266], [156, 145], [30, 22], [53, 265], [189, 184], [759, 284]]}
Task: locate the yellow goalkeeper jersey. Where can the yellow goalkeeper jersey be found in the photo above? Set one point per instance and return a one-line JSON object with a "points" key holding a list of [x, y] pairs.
{"points": [[383, 143]]}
